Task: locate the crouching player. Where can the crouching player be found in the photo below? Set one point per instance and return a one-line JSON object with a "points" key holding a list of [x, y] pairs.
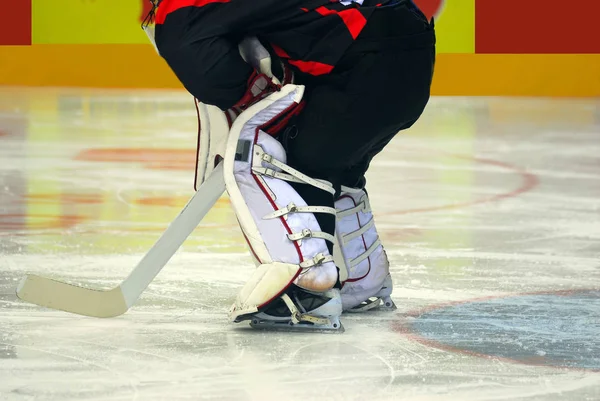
{"points": [[309, 91]]}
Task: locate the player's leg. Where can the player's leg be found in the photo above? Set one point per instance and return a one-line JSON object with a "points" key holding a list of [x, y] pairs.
{"points": [[293, 285], [369, 283]]}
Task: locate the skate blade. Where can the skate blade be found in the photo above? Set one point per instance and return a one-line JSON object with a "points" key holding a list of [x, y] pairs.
{"points": [[378, 304], [334, 326], [388, 304]]}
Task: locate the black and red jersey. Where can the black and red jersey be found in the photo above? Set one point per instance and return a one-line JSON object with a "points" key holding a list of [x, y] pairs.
{"points": [[199, 38], [312, 34]]}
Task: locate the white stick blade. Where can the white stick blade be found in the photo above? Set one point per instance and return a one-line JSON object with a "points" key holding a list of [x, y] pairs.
{"points": [[54, 294]]}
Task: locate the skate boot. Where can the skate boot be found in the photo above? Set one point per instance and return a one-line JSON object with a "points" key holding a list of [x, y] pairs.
{"points": [[301, 310], [367, 283]]}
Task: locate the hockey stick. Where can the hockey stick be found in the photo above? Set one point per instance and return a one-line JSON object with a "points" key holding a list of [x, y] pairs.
{"points": [[115, 302]]}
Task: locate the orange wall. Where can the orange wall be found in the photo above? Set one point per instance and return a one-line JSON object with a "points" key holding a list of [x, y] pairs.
{"points": [[486, 47]]}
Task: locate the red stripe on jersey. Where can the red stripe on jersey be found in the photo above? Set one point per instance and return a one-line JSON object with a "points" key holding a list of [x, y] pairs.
{"points": [[279, 51], [309, 67], [168, 6], [312, 67], [354, 20], [325, 11]]}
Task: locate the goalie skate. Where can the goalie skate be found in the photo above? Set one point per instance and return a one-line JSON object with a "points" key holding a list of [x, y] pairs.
{"points": [[369, 284], [298, 310], [380, 301]]}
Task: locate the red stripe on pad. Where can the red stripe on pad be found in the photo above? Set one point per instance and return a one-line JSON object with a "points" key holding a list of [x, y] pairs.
{"points": [[250, 245], [168, 6]]}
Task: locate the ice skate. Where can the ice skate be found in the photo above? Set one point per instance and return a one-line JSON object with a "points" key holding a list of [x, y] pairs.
{"points": [[300, 310], [368, 284]]}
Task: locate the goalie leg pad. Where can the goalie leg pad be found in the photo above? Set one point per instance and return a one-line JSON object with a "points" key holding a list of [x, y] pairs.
{"points": [[368, 282], [282, 232], [213, 129]]}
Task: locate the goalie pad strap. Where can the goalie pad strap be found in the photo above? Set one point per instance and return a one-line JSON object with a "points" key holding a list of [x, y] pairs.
{"points": [[319, 259], [360, 246], [292, 208], [366, 254], [293, 175], [361, 207], [307, 233], [275, 174], [354, 234]]}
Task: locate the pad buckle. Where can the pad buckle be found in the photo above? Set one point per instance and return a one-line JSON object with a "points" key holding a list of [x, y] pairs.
{"points": [[366, 205], [267, 158], [319, 259], [305, 233], [270, 172]]}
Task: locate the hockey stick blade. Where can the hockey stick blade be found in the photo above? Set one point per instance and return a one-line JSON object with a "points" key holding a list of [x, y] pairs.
{"points": [[58, 295], [55, 294]]}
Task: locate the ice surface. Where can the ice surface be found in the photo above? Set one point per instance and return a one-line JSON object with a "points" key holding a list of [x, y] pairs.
{"points": [[489, 209]]}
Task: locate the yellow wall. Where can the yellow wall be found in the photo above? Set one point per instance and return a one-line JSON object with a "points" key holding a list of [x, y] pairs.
{"points": [[455, 27], [86, 21], [99, 43]]}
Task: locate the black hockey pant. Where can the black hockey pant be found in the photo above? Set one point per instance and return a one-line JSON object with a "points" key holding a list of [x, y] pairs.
{"points": [[380, 87]]}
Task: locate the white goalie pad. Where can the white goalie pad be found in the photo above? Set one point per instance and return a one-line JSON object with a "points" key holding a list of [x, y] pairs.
{"points": [[281, 230], [360, 248], [213, 129]]}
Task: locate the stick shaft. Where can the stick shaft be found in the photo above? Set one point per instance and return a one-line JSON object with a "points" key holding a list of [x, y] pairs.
{"points": [[110, 303], [174, 236]]}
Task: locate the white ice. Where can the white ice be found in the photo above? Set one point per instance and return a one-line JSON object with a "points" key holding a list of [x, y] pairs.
{"points": [[485, 203]]}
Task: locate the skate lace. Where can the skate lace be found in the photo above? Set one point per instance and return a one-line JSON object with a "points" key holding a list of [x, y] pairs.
{"points": [[290, 174]]}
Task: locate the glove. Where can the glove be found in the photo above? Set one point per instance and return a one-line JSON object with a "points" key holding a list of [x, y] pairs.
{"points": [[262, 82]]}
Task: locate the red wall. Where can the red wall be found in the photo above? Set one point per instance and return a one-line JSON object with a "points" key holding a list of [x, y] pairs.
{"points": [[430, 7], [15, 22], [537, 26]]}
